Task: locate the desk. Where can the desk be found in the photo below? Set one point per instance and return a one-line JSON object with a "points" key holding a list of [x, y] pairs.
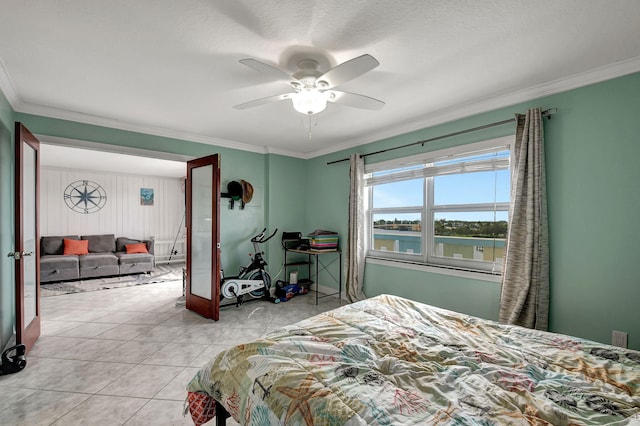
{"points": [[330, 257]]}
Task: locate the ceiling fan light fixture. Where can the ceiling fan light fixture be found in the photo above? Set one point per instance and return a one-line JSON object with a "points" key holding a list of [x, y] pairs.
{"points": [[312, 89], [309, 101]]}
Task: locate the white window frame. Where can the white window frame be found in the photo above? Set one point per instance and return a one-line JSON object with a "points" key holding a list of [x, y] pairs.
{"points": [[428, 210]]}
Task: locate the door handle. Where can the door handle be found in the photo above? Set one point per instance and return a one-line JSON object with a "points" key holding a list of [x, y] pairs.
{"points": [[17, 255]]}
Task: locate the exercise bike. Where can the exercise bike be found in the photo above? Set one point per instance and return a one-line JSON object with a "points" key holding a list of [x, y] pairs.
{"points": [[252, 279]]}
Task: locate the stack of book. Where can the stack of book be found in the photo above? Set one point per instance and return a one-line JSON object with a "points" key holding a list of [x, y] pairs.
{"points": [[323, 240]]}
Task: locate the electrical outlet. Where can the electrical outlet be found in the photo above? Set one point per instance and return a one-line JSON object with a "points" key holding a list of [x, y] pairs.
{"points": [[619, 338]]}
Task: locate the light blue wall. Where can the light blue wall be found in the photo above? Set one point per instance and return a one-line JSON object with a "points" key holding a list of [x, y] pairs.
{"points": [[592, 147], [592, 156], [6, 221], [287, 209], [236, 226], [592, 151]]}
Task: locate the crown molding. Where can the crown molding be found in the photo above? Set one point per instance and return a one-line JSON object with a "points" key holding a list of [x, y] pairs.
{"points": [[596, 75], [285, 152], [7, 87], [80, 117]]}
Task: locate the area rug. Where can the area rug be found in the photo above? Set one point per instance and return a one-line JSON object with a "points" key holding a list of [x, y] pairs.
{"points": [[160, 274]]}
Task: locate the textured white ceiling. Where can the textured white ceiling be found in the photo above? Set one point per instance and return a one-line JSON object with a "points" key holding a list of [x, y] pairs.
{"points": [[171, 67]]}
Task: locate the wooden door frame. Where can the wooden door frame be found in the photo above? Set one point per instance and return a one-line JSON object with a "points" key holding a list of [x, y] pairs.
{"points": [[207, 308], [30, 334]]}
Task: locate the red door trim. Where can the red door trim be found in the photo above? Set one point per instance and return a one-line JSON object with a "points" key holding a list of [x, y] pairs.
{"points": [[207, 308], [26, 334]]}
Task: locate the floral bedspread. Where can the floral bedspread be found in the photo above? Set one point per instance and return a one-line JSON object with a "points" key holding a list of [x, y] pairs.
{"points": [[393, 361]]}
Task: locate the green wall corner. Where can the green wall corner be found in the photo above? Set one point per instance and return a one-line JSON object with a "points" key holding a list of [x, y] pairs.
{"points": [[7, 308], [591, 154]]}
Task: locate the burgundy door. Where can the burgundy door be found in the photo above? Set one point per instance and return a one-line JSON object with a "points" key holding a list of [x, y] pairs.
{"points": [[203, 236], [27, 237]]}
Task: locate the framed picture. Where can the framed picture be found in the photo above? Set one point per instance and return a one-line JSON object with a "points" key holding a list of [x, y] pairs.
{"points": [[146, 196]]}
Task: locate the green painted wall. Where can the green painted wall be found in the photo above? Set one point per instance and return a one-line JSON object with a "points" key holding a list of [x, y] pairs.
{"points": [[237, 226], [592, 150], [6, 221], [480, 298], [287, 208]]}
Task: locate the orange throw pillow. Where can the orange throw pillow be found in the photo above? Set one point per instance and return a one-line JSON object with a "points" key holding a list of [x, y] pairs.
{"points": [[136, 248], [73, 247]]}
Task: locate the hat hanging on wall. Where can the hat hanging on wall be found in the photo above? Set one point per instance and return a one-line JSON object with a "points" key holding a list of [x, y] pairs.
{"points": [[247, 191], [238, 191], [234, 191]]}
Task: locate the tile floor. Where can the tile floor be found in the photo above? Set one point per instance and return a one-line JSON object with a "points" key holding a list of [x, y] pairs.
{"points": [[125, 356]]}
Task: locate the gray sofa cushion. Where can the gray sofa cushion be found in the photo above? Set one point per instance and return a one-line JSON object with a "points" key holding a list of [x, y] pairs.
{"points": [[98, 265], [135, 262], [121, 243], [56, 261], [135, 268], [97, 259], [101, 243], [58, 268], [99, 271], [54, 245], [134, 258], [59, 275]]}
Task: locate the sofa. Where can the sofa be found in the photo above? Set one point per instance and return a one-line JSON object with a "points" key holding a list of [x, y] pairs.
{"points": [[98, 256]]}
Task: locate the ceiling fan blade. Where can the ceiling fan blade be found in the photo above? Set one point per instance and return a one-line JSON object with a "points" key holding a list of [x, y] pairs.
{"points": [[262, 101], [348, 70], [267, 69], [355, 100]]}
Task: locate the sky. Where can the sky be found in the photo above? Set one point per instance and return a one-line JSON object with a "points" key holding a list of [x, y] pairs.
{"points": [[467, 188]]}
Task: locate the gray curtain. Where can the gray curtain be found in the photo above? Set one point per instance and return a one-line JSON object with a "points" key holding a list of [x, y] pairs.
{"points": [[525, 278], [356, 250]]}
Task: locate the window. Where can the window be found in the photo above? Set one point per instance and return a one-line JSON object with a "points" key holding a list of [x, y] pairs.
{"points": [[446, 208]]}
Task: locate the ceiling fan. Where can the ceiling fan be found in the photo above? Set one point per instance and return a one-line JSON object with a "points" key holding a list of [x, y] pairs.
{"points": [[313, 89]]}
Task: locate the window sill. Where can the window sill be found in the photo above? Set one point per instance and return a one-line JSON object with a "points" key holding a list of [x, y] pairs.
{"points": [[480, 276]]}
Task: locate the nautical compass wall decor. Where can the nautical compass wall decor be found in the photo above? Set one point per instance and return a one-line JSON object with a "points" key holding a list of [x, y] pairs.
{"points": [[84, 196]]}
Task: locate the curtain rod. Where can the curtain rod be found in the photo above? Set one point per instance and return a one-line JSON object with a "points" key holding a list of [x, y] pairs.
{"points": [[546, 113]]}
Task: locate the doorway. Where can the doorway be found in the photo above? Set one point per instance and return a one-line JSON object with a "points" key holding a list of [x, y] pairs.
{"points": [[124, 174]]}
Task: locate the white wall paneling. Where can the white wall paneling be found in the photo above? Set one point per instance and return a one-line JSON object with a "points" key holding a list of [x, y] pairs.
{"points": [[122, 215]]}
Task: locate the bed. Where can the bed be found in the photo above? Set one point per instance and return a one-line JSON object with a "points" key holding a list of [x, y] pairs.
{"points": [[392, 361]]}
